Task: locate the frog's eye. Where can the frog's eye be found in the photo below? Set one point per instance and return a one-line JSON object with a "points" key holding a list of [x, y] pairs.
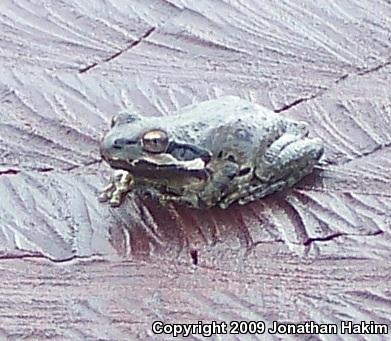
{"points": [[155, 141]]}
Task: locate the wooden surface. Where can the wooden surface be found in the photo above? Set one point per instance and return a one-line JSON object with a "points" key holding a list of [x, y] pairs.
{"points": [[75, 269]]}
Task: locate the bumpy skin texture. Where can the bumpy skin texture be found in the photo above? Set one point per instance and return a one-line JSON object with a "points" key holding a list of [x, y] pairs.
{"points": [[218, 152]]}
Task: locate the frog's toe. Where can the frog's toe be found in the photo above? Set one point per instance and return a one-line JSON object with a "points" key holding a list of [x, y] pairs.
{"points": [[115, 202], [223, 205], [103, 197], [262, 191], [118, 197], [106, 193]]}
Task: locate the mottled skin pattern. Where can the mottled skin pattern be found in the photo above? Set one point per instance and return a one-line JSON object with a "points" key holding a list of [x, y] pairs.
{"points": [[236, 151]]}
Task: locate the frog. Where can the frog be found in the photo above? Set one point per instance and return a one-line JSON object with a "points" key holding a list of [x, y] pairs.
{"points": [[208, 154]]}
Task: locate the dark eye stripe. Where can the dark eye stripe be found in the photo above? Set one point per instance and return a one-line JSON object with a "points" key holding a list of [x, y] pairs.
{"points": [[119, 143]]}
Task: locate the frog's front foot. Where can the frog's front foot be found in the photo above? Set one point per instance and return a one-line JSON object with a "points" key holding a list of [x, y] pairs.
{"points": [[121, 183]]}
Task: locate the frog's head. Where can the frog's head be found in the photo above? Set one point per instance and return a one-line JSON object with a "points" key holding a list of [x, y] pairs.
{"points": [[144, 147]]}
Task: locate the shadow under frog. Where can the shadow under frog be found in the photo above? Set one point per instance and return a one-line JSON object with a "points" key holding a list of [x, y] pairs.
{"points": [[144, 228]]}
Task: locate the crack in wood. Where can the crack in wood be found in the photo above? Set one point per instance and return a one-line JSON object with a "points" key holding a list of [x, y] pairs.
{"points": [[323, 239], [298, 101], [368, 153], [117, 54], [12, 171], [94, 256], [337, 235], [347, 160], [337, 81], [374, 69]]}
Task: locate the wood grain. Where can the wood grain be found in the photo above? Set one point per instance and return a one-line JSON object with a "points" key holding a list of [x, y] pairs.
{"points": [[101, 300], [76, 269]]}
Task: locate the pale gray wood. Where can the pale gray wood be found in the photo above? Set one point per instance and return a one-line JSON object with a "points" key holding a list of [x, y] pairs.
{"points": [[317, 252]]}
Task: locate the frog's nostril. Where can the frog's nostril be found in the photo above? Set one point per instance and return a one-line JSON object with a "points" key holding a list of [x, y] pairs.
{"points": [[118, 144]]}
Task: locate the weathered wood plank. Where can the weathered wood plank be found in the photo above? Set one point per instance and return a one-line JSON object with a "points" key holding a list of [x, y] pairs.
{"points": [[347, 198], [74, 34], [100, 300], [317, 252]]}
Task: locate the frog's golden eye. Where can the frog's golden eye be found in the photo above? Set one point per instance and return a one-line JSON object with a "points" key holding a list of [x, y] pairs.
{"points": [[155, 141]]}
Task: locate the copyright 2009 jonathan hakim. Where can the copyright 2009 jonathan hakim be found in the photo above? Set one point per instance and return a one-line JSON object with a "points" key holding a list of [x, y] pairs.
{"points": [[274, 327]]}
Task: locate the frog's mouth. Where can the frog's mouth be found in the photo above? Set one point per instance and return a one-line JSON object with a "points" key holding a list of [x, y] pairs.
{"points": [[178, 158], [184, 156]]}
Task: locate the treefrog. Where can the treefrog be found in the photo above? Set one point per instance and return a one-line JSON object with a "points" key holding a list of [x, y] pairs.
{"points": [[213, 153]]}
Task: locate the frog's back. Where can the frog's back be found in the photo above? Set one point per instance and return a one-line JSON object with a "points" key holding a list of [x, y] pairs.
{"points": [[224, 110], [228, 123]]}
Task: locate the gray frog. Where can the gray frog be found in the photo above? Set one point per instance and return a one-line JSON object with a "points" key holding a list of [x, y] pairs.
{"points": [[213, 153]]}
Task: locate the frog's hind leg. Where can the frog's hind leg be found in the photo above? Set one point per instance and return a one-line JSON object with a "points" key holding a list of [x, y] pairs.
{"points": [[286, 162], [290, 158]]}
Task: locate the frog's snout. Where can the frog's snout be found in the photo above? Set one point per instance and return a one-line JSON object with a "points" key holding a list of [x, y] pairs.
{"points": [[111, 146], [104, 148], [120, 152]]}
